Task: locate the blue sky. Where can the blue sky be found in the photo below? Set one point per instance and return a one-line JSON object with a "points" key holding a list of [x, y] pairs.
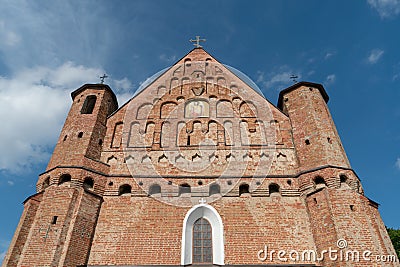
{"points": [[50, 48]]}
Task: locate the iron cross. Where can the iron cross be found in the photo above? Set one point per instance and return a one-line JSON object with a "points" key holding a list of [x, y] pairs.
{"points": [[196, 42], [103, 77]]}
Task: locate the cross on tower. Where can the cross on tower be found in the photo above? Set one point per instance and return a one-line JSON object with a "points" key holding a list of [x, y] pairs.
{"points": [[197, 41], [294, 77], [202, 201], [102, 78]]}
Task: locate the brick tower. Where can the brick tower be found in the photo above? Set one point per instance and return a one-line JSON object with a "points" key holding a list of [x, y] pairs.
{"points": [[198, 168]]}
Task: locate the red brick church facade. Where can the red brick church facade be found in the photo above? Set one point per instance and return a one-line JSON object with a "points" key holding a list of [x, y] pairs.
{"points": [[198, 168]]}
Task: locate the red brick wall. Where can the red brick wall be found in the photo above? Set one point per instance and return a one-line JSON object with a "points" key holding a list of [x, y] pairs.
{"points": [[98, 227]]}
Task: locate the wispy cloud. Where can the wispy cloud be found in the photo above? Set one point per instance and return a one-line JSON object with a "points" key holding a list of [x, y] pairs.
{"points": [[168, 59], [328, 55], [386, 8], [397, 164], [3, 248], [330, 79], [277, 79], [375, 55], [33, 106]]}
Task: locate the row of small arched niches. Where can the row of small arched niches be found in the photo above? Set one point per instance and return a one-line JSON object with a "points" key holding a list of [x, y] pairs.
{"points": [[184, 188]]}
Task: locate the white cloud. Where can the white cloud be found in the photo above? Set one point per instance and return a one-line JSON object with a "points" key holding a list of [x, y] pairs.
{"points": [[398, 163], [3, 248], [375, 55], [33, 106], [7, 36], [277, 79], [386, 8], [330, 79], [328, 55], [10, 183], [168, 59]]}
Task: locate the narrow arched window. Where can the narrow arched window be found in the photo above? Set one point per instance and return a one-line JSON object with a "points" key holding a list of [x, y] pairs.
{"points": [[89, 104], [243, 189], [273, 188], [88, 183], [46, 183], [124, 189], [202, 241]]}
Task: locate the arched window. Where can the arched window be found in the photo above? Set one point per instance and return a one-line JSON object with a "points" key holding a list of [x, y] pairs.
{"points": [[243, 189], [202, 236], [319, 182], [46, 183], [214, 189], [273, 188], [64, 178], [344, 181], [184, 188], [202, 241], [124, 189], [88, 183], [154, 189], [89, 104]]}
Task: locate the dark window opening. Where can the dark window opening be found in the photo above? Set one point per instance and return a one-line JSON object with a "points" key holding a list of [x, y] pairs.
{"points": [[243, 189], [46, 183], [202, 242], [124, 189], [214, 189], [88, 183], [200, 182], [89, 104], [319, 180], [307, 142], [184, 188], [273, 188], [65, 138], [80, 134], [352, 207], [343, 178], [100, 142], [54, 220], [154, 189], [65, 178]]}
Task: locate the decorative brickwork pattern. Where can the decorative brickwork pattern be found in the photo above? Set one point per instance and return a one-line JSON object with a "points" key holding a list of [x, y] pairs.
{"points": [[126, 185]]}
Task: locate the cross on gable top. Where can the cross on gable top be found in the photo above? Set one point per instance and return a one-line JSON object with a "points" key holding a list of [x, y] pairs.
{"points": [[197, 41]]}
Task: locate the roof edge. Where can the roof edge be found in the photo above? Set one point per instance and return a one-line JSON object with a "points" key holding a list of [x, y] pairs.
{"points": [[96, 86], [319, 86]]}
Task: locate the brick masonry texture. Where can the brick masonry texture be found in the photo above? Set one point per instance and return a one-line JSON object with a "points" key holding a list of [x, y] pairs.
{"points": [[121, 181]]}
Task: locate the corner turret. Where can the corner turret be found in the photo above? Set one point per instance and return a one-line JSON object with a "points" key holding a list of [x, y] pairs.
{"points": [[315, 136], [85, 127]]}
